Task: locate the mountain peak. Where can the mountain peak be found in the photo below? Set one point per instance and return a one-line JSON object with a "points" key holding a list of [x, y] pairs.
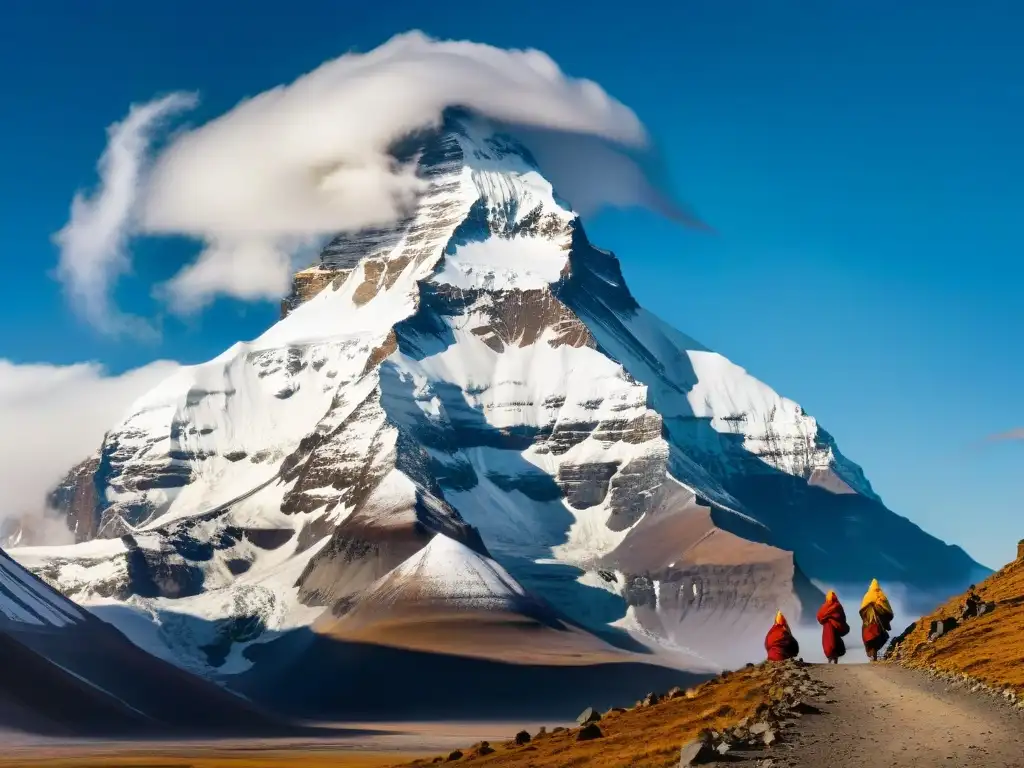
{"points": [[481, 186], [469, 405]]}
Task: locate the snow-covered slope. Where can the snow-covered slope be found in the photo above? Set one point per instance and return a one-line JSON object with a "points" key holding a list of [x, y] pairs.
{"points": [[479, 378], [24, 600], [451, 572]]}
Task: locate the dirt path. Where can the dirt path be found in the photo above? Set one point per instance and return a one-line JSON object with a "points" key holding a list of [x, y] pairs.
{"points": [[883, 715]]}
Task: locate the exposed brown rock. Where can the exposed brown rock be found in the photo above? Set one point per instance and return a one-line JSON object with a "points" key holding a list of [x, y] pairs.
{"points": [[307, 284], [379, 354], [682, 570], [378, 275], [75, 498]]}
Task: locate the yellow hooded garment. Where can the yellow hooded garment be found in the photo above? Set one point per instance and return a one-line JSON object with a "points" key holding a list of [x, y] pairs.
{"points": [[875, 605], [779, 618], [875, 596], [830, 596]]}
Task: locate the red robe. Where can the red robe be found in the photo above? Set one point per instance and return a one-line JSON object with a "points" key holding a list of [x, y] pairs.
{"points": [[834, 628], [875, 631], [780, 643]]}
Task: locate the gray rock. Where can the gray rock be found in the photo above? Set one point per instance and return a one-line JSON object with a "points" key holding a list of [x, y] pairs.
{"points": [[723, 748], [650, 700], [940, 627], [588, 715], [696, 752], [769, 737], [758, 728], [801, 707]]}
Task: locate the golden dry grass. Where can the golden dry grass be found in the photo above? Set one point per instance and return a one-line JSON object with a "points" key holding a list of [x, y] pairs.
{"points": [[643, 737], [990, 647]]}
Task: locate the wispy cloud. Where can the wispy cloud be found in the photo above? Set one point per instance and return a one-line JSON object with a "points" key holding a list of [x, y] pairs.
{"points": [[93, 244], [311, 158], [53, 416], [1013, 434]]}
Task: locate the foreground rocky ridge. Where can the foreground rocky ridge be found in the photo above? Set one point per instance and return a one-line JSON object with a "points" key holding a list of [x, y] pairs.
{"points": [[479, 371], [973, 640], [743, 715]]}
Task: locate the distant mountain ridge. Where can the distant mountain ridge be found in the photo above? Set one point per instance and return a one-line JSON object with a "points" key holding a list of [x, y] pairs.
{"points": [[478, 371], [66, 673]]}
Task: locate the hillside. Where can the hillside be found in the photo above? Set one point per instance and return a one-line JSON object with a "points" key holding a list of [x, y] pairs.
{"points": [[988, 648], [66, 673]]}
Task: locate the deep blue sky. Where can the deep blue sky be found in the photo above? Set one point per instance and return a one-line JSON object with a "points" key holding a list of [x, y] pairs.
{"points": [[862, 164]]}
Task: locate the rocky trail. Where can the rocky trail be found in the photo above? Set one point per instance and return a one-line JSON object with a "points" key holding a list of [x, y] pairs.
{"points": [[870, 716]]}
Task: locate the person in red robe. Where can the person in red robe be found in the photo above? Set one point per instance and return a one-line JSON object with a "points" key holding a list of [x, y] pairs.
{"points": [[779, 642], [834, 628], [876, 615]]}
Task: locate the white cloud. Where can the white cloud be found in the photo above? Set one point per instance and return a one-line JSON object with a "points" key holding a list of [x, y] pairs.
{"points": [[311, 158], [92, 244], [52, 417]]}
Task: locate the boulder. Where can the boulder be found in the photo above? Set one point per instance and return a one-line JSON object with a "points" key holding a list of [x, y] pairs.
{"points": [[675, 693], [769, 737], [697, 752], [940, 627], [523, 737], [456, 755], [986, 608], [589, 732], [650, 700], [588, 715], [1020, 549]]}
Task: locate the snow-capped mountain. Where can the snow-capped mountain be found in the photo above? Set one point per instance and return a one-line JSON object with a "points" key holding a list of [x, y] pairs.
{"points": [[471, 391]]}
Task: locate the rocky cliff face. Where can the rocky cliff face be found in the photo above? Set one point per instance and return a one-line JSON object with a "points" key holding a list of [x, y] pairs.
{"points": [[76, 496], [478, 371], [307, 284]]}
